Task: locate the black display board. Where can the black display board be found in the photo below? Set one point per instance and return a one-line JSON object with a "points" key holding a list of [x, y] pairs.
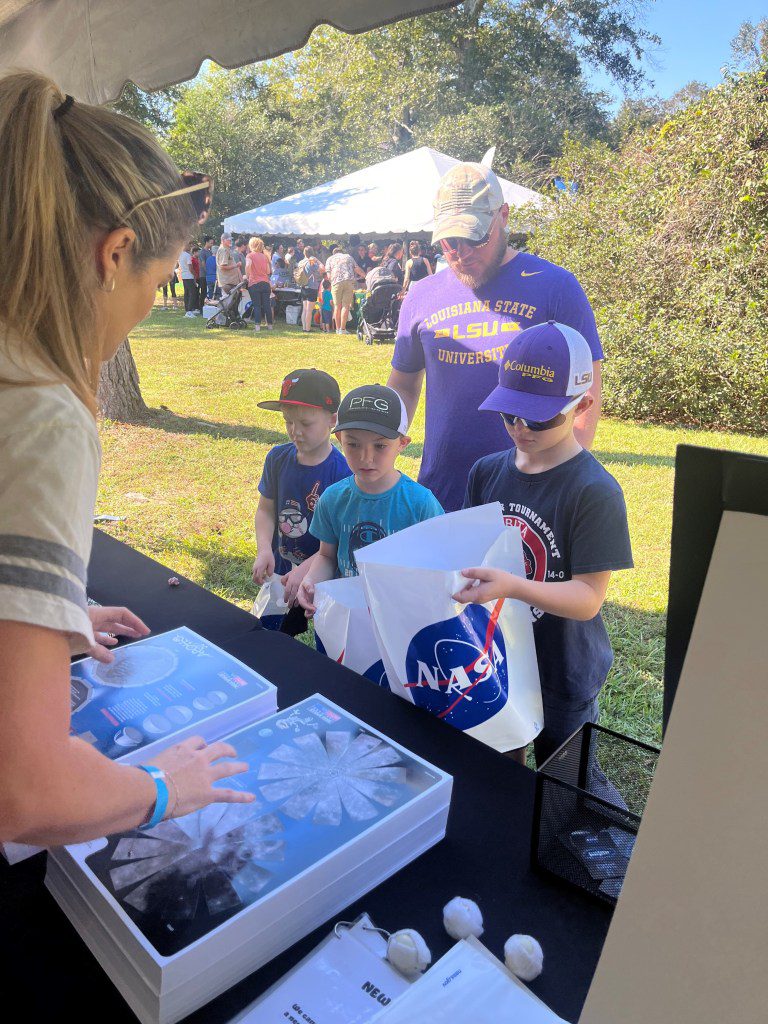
{"points": [[708, 482]]}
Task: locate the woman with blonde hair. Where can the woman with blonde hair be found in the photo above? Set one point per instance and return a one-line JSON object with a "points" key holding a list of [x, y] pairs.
{"points": [[74, 179], [258, 270]]}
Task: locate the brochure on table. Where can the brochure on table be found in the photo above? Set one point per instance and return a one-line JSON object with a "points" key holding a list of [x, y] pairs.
{"points": [[339, 808], [155, 693], [468, 976], [161, 689], [345, 980]]}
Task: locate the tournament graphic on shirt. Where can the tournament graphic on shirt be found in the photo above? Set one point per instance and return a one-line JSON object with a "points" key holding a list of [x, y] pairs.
{"points": [[539, 546]]}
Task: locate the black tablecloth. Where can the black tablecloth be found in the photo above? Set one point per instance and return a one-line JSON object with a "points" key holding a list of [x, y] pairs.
{"points": [[119, 575], [485, 855]]}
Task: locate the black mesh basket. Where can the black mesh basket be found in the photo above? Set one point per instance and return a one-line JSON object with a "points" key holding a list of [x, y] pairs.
{"points": [[590, 796]]}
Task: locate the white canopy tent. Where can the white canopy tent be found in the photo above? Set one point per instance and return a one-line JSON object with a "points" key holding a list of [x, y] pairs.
{"points": [[91, 48], [391, 198]]}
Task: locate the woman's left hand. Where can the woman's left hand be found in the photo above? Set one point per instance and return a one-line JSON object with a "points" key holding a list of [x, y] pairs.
{"points": [[109, 624]]}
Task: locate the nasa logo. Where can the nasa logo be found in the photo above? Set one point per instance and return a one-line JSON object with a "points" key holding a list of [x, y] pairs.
{"points": [[457, 669], [377, 674]]}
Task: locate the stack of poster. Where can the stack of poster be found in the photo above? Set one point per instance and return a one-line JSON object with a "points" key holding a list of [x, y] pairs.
{"points": [[160, 690], [157, 692], [178, 913]]}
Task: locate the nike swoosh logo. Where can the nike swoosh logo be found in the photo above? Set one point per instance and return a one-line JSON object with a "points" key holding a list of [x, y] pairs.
{"points": [[530, 273]]}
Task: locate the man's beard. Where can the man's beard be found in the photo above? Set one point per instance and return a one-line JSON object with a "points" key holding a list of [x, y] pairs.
{"points": [[474, 281]]}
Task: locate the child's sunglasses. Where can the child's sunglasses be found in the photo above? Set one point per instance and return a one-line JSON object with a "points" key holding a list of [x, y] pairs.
{"points": [[198, 186], [535, 425]]}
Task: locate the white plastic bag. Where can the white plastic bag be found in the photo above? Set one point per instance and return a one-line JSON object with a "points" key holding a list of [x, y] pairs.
{"points": [[473, 666], [343, 628], [270, 605]]}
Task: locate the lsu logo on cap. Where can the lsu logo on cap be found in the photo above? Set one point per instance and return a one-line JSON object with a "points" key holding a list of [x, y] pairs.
{"points": [[457, 669]]}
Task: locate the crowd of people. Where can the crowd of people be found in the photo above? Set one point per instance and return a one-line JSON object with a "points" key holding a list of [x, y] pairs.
{"points": [[506, 341], [324, 274]]}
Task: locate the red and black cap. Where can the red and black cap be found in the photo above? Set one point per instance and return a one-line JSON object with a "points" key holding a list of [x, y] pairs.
{"points": [[313, 389]]}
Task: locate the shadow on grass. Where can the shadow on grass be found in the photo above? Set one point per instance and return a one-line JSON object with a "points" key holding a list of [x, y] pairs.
{"points": [[164, 419], [632, 459]]}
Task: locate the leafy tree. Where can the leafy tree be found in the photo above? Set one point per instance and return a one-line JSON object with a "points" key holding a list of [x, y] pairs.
{"points": [[152, 109], [491, 71], [669, 237], [227, 124]]}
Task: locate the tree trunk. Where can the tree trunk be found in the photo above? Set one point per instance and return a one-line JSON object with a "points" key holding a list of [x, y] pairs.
{"points": [[119, 394]]}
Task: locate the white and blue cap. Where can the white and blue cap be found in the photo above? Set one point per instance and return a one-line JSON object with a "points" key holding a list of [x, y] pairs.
{"points": [[545, 370]]}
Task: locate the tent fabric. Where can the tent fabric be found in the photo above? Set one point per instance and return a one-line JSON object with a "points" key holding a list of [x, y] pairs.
{"points": [[91, 48], [393, 197]]}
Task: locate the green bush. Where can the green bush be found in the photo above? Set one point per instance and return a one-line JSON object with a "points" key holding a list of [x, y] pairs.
{"points": [[669, 238]]}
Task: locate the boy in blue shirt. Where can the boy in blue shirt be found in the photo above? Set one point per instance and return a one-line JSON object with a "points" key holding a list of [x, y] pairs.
{"points": [[294, 477], [571, 515], [377, 500]]}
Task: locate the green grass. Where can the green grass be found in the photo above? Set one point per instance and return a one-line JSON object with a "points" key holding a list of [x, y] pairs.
{"points": [[186, 480]]}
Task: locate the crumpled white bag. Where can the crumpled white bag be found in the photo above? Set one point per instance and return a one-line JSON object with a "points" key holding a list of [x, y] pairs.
{"points": [[270, 604], [343, 628], [473, 666]]}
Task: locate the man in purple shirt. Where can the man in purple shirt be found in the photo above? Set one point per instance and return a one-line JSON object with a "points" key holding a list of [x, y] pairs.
{"points": [[454, 328]]}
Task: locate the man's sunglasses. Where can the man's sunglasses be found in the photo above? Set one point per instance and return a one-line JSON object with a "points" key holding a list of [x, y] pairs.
{"points": [[450, 245], [535, 425], [198, 186]]}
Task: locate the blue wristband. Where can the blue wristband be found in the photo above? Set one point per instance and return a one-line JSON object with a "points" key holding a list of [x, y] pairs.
{"points": [[161, 800]]}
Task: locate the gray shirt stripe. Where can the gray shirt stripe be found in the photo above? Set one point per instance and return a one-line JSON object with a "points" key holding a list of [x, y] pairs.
{"points": [[18, 546], [24, 578]]}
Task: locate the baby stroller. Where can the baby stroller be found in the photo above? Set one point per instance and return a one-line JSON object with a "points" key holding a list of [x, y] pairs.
{"points": [[227, 310], [378, 316]]}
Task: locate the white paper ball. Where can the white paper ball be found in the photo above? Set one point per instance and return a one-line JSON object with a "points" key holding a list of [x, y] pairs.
{"points": [[462, 918], [524, 957], [408, 952]]}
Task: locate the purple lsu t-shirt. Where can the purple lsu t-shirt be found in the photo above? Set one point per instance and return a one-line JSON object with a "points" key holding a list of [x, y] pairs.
{"points": [[459, 337]]}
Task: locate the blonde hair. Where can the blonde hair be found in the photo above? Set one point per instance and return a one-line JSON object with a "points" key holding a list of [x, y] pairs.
{"points": [[256, 244], [64, 179]]}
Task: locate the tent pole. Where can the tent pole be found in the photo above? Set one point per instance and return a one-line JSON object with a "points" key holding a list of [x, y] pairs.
{"points": [[405, 249]]}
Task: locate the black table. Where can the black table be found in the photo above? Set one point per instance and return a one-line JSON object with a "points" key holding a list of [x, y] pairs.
{"points": [[485, 855]]}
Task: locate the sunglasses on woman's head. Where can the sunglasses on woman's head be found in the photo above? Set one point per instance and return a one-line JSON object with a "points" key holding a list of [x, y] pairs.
{"points": [[535, 425], [198, 186]]}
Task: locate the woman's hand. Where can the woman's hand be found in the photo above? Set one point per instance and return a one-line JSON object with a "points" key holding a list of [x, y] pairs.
{"points": [[193, 767], [485, 584], [117, 621], [263, 566]]}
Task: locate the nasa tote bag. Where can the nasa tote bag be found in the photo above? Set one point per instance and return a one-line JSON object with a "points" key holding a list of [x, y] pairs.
{"points": [[343, 628], [474, 666]]}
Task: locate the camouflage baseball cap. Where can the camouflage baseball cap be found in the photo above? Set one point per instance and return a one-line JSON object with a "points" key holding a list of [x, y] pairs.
{"points": [[467, 198]]}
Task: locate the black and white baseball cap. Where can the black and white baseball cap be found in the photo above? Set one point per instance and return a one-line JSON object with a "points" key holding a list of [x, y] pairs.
{"points": [[373, 407]]}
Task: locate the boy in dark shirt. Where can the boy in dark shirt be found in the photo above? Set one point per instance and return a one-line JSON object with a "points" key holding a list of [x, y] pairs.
{"points": [[571, 516], [294, 477]]}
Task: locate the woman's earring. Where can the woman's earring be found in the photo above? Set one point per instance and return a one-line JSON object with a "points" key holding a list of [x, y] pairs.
{"points": [[109, 290]]}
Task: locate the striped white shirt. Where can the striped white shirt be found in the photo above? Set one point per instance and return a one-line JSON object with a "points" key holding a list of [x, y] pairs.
{"points": [[49, 468]]}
